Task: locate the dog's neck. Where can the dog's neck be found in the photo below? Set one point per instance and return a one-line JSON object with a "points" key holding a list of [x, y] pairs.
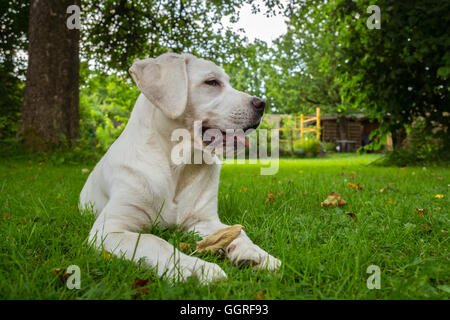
{"points": [[148, 125]]}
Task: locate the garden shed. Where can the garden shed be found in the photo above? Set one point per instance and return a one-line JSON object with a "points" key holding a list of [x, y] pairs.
{"points": [[349, 132], [353, 127]]}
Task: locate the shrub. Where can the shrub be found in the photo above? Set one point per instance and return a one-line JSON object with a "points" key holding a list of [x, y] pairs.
{"points": [[310, 147], [106, 102], [329, 146], [420, 146], [11, 98]]}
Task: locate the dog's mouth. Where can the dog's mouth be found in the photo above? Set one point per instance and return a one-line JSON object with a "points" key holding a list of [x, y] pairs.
{"points": [[215, 137]]}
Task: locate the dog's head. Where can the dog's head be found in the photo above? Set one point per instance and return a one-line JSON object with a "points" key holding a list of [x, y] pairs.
{"points": [[188, 89]]}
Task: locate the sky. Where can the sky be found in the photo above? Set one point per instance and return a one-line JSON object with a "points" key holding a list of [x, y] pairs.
{"points": [[258, 25]]}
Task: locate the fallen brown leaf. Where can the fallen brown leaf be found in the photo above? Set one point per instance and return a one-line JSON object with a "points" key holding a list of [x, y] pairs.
{"points": [[243, 190], [219, 239], [425, 226], [421, 212], [261, 295], [62, 273], [184, 246], [106, 255], [139, 285], [353, 216], [333, 200], [270, 197], [355, 186]]}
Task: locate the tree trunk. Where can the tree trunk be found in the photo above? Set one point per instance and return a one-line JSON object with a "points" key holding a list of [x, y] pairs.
{"points": [[51, 101]]}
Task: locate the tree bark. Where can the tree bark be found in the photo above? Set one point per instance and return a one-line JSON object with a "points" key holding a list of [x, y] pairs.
{"points": [[50, 112]]}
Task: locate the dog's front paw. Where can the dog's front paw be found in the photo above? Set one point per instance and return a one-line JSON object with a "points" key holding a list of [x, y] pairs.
{"points": [[208, 272], [245, 254], [205, 272]]}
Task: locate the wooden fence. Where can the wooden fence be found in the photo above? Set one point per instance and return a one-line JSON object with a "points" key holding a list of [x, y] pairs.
{"points": [[299, 124]]}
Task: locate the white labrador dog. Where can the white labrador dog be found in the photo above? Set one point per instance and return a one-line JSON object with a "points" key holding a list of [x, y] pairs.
{"points": [[136, 184]]}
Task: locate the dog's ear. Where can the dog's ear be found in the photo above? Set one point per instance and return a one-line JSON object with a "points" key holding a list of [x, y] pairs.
{"points": [[164, 82]]}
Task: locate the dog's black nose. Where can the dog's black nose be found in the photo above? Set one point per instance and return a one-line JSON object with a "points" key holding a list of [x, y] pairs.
{"points": [[258, 104]]}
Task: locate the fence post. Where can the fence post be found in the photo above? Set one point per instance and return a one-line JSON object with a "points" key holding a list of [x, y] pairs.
{"points": [[318, 123], [301, 125]]}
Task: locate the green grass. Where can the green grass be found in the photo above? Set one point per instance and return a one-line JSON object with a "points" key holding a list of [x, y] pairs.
{"points": [[325, 253]]}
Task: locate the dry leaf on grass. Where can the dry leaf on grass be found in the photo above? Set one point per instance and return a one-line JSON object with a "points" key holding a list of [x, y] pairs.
{"points": [[270, 197], [184, 246], [106, 255], [63, 275], [261, 295], [353, 216], [139, 285], [333, 200], [243, 190], [425, 226], [355, 186], [219, 239], [421, 212]]}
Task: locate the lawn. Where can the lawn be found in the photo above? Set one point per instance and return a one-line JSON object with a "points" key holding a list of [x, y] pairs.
{"points": [[325, 251]]}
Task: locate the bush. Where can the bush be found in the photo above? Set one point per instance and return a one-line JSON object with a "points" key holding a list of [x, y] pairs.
{"points": [[106, 102], [310, 147], [329, 146], [420, 146], [11, 97]]}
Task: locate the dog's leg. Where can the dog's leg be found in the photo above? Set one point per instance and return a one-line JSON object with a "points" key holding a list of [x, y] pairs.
{"points": [[115, 230], [241, 251]]}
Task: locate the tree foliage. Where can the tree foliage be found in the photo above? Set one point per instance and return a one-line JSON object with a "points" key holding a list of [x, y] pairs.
{"points": [[296, 77], [400, 70], [13, 45]]}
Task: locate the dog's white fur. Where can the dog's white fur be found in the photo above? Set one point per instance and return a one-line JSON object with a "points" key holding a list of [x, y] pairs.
{"points": [[136, 184]]}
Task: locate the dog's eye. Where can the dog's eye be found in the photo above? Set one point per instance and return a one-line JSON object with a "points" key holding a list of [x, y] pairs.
{"points": [[213, 83]]}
